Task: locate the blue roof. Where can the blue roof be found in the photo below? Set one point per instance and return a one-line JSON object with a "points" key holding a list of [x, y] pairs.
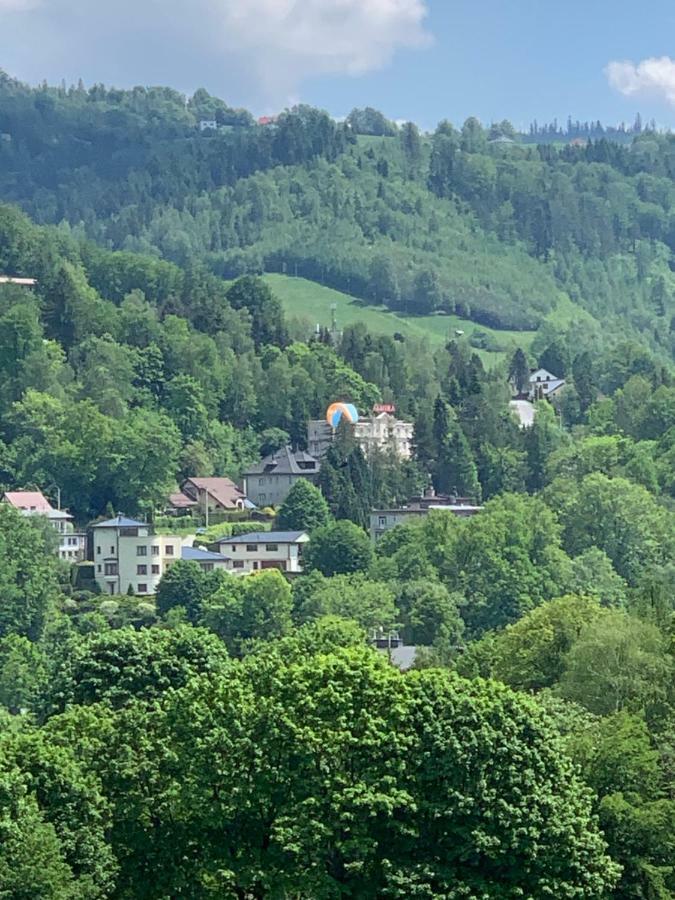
{"points": [[265, 537], [121, 522], [199, 555]]}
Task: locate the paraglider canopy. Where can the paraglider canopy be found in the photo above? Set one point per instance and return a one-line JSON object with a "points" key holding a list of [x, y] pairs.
{"points": [[337, 411]]}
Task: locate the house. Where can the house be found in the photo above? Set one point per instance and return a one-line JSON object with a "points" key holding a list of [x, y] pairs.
{"points": [[542, 384], [261, 550], [267, 120], [218, 494], [380, 432], [269, 482], [390, 643], [383, 520], [72, 544], [128, 555], [206, 560], [208, 125]]}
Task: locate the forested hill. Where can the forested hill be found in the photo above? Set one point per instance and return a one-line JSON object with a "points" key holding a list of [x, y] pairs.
{"points": [[498, 231]]}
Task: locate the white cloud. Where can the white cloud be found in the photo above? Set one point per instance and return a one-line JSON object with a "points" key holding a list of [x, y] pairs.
{"points": [[266, 47], [653, 77]]}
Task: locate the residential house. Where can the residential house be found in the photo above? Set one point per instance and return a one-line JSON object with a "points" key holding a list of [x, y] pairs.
{"points": [[24, 282], [205, 559], [542, 385], [383, 520], [72, 545], [208, 125], [261, 550], [382, 431], [401, 655], [269, 482], [216, 494], [128, 555]]}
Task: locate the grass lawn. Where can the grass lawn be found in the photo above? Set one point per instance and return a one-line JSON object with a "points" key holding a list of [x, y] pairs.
{"points": [[311, 302]]}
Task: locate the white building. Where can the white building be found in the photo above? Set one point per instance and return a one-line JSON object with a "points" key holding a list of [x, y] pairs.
{"points": [[261, 550], [208, 125], [381, 431], [72, 544], [127, 555], [543, 384]]}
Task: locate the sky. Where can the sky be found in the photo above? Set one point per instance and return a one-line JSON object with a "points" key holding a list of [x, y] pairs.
{"points": [[423, 60]]}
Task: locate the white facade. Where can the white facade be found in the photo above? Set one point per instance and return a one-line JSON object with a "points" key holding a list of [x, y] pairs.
{"points": [[127, 555], [543, 384], [264, 550], [208, 125], [72, 544], [383, 432]]}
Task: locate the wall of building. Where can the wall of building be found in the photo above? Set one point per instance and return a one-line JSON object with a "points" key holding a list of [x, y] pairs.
{"points": [[141, 560]]}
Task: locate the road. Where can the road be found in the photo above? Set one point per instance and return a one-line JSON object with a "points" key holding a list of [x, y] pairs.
{"points": [[525, 412]]}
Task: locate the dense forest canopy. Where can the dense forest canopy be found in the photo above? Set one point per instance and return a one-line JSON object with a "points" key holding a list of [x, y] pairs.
{"points": [[506, 234], [242, 737]]}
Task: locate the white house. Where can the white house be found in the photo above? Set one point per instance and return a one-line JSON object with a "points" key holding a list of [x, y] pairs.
{"points": [[260, 550], [543, 384], [72, 544], [128, 555], [208, 125]]}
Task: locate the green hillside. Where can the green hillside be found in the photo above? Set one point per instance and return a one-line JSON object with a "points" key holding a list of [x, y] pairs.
{"points": [[312, 304]]}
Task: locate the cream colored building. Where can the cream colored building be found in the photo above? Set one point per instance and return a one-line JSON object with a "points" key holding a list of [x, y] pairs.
{"points": [[382, 431], [262, 550], [127, 554]]}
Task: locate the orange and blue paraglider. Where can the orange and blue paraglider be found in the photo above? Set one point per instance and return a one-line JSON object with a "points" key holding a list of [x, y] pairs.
{"points": [[336, 412]]}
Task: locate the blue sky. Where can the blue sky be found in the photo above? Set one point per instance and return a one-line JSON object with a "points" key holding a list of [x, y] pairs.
{"points": [[417, 59], [521, 60]]}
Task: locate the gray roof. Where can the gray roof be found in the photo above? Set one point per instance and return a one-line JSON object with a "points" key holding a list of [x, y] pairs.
{"points": [[198, 555], [285, 462], [121, 522], [403, 657], [265, 537]]}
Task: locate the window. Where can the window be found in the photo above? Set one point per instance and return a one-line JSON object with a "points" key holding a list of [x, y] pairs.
{"points": [[261, 481], [251, 548], [234, 548], [141, 550], [256, 565], [238, 564], [271, 548], [169, 549], [98, 567], [141, 570], [142, 588], [112, 551], [382, 521], [262, 498], [155, 569], [208, 567], [111, 568], [155, 550], [98, 551]]}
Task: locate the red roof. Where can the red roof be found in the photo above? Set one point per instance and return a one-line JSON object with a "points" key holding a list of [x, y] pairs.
{"points": [[32, 501], [267, 120], [224, 491]]}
